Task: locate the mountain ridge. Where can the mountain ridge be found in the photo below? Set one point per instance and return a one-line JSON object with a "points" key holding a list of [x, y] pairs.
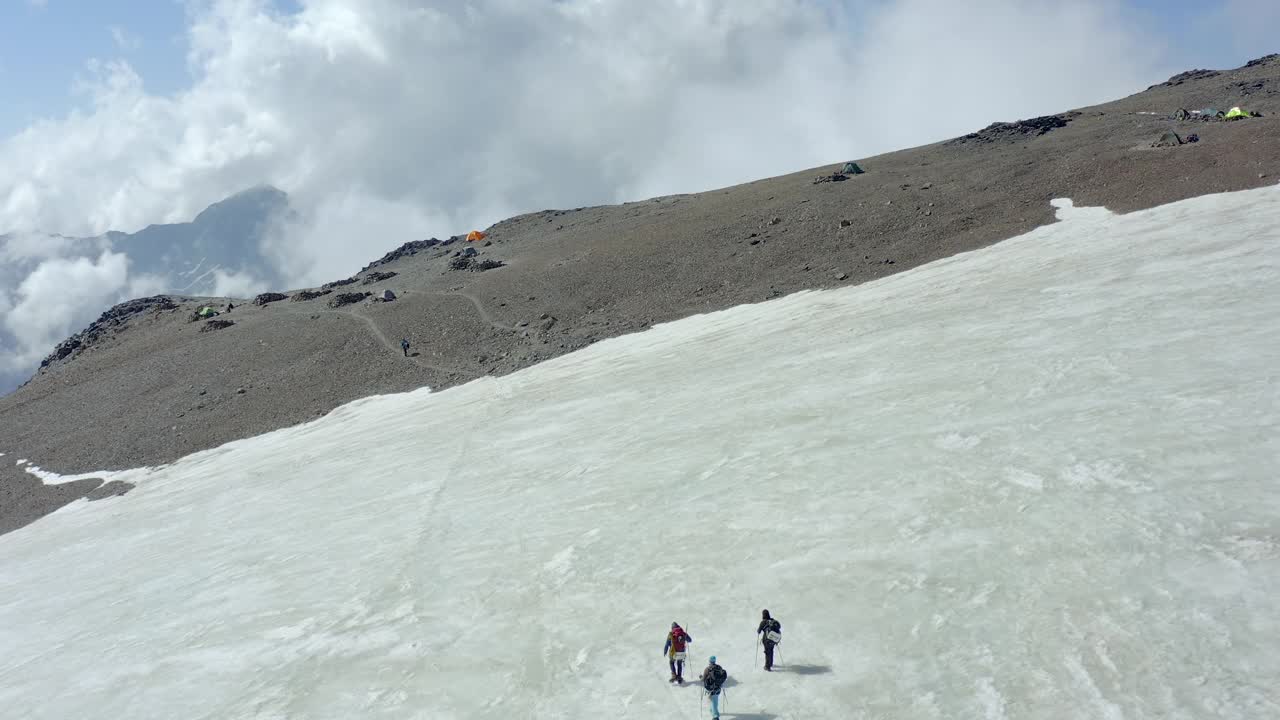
{"points": [[161, 389], [226, 237]]}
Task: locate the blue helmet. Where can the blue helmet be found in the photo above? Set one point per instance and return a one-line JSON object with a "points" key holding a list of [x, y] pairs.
{"points": [[713, 659]]}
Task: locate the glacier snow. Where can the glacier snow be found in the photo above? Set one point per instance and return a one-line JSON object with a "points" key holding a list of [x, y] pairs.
{"points": [[1033, 481]]}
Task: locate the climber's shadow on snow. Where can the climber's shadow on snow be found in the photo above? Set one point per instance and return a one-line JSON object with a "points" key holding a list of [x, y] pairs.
{"points": [[803, 669]]}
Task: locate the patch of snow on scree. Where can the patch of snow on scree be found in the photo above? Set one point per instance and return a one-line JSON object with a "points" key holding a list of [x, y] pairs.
{"points": [[1034, 481]]}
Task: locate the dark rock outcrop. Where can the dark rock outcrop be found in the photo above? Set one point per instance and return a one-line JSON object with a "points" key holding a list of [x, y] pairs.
{"points": [[378, 277], [1186, 77], [304, 295], [342, 299], [338, 283], [217, 325], [412, 247], [269, 297], [1007, 131], [109, 323], [473, 264]]}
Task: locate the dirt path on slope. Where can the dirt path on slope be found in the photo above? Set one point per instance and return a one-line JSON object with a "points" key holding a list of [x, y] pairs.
{"points": [[475, 301], [373, 327]]}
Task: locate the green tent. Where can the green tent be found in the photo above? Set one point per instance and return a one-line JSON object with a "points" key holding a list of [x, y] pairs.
{"points": [[1235, 113], [851, 168], [206, 312]]}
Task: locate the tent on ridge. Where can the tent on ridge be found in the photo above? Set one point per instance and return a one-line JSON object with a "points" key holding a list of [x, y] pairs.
{"points": [[1169, 139], [206, 312], [474, 236], [1236, 113], [851, 168]]}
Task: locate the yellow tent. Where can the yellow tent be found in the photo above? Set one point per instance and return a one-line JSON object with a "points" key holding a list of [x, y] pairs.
{"points": [[475, 235], [1234, 113]]}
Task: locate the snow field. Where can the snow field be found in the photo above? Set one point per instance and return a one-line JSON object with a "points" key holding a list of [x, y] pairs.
{"points": [[1034, 481]]}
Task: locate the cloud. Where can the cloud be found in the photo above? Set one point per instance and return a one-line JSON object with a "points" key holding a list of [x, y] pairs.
{"points": [[124, 39], [53, 300], [236, 285], [22, 250], [392, 120]]}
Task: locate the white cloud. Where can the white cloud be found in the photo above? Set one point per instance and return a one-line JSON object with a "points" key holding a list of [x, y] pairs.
{"points": [[392, 120], [467, 113], [236, 285], [124, 39], [58, 298], [25, 248]]}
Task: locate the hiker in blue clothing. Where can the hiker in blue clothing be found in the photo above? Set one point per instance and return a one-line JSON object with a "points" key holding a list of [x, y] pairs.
{"points": [[404, 345], [713, 682]]}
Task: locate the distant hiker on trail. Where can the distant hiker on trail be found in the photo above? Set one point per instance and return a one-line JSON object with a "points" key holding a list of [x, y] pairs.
{"points": [[230, 307], [677, 642], [404, 345], [770, 631], [713, 682]]}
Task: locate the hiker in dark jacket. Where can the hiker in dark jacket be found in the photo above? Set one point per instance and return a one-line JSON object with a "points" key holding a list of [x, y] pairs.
{"points": [[404, 345], [770, 631], [677, 641], [713, 682]]}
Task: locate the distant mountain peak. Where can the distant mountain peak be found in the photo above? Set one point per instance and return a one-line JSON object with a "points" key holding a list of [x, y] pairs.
{"points": [[259, 200]]}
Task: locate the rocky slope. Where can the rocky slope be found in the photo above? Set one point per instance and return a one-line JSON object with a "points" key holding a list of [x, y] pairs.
{"points": [[185, 257], [154, 387]]}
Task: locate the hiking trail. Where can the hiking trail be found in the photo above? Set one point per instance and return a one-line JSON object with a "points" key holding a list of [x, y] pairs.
{"points": [[373, 327], [479, 306]]}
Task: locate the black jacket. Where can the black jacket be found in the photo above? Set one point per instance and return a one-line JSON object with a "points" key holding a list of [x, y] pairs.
{"points": [[769, 624], [713, 678]]}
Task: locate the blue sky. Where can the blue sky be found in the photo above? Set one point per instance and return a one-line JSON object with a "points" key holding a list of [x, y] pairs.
{"points": [[46, 45]]}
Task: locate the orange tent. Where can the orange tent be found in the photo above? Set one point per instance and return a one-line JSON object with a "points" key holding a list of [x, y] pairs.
{"points": [[475, 235]]}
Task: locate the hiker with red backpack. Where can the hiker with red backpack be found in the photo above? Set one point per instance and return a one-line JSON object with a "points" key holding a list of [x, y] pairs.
{"points": [[677, 642]]}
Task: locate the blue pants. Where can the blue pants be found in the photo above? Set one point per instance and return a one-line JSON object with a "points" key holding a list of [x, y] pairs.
{"points": [[715, 705]]}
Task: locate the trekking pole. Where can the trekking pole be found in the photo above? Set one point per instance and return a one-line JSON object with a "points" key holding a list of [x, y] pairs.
{"points": [[756, 662]]}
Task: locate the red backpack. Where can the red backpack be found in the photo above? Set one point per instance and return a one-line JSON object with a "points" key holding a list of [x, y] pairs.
{"points": [[678, 638]]}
